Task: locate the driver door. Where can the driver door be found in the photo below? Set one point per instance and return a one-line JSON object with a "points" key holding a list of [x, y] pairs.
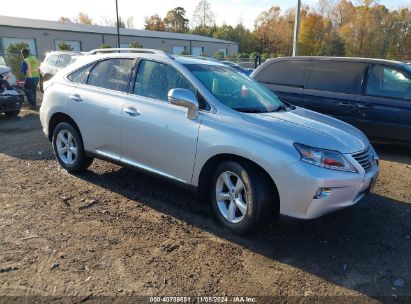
{"points": [[156, 135]]}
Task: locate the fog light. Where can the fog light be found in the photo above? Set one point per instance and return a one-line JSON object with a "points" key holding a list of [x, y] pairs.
{"points": [[322, 193]]}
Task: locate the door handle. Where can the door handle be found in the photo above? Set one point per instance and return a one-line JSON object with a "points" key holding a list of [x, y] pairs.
{"points": [[132, 111], [365, 106], [76, 98], [345, 104]]}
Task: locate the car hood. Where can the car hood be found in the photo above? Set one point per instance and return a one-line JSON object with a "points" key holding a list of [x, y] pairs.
{"points": [[312, 129]]}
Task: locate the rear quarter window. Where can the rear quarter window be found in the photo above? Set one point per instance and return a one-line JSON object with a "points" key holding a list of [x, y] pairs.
{"points": [[337, 76], [287, 72], [80, 75]]}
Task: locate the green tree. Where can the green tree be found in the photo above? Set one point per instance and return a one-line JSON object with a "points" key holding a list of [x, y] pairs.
{"points": [[332, 46], [175, 21], [244, 38], [64, 46], [225, 32], [219, 55], [204, 30], [135, 45], [105, 46], [14, 57], [121, 23]]}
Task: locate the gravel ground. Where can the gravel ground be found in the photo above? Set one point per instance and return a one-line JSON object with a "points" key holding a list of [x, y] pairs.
{"points": [[114, 232]]}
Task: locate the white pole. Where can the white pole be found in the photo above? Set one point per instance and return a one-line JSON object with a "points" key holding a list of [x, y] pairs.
{"points": [[296, 28]]}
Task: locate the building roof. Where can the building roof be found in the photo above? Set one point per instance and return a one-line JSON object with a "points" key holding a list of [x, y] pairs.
{"points": [[76, 27]]}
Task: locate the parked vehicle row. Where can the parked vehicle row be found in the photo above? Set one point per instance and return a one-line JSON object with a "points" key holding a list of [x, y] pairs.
{"points": [[54, 62], [11, 98], [372, 94], [209, 128]]}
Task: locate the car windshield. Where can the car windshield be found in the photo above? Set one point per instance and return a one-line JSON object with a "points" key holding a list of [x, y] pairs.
{"points": [[236, 90]]}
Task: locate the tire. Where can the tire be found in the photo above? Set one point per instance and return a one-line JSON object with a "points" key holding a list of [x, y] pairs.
{"points": [[12, 114], [261, 205], [69, 149]]}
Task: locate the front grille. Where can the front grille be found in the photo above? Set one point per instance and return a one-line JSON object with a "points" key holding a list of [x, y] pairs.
{"points": [[365, 159]]}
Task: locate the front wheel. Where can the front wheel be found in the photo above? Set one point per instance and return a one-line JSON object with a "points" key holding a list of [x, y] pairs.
{"points": [[68, 148], [241, 197]]}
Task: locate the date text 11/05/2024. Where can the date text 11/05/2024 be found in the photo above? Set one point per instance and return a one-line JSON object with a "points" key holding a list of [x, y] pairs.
{"points": [[203, 299]]}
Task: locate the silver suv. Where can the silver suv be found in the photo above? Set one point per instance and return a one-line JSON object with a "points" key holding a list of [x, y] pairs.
{"points": [[209, 128]]}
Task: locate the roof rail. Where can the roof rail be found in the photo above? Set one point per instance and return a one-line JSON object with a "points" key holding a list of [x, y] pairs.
{"points": [[131, 50]]}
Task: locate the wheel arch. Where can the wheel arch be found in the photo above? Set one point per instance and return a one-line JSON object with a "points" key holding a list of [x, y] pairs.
{"points": [[57, 118], [209, 166]]}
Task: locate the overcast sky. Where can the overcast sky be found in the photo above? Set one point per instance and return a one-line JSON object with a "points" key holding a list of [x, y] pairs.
{"points": [[228, 11]]}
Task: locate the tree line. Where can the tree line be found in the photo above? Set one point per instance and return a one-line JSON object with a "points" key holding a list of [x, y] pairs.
{"points": [[333, 28]]}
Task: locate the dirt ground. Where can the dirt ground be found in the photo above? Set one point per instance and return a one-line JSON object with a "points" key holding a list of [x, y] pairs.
{"points": [[114, 232]]}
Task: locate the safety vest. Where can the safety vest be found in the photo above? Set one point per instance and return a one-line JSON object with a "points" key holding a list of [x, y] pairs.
{"points": [[32, 67]]}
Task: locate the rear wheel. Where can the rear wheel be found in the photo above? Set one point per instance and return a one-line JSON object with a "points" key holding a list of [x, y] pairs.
{"points": [[241, 197], [12, 113], [68, 148]]}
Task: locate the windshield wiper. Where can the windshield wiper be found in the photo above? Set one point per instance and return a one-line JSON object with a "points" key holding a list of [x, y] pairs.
{"points": [[280, 108], [249, 110]]}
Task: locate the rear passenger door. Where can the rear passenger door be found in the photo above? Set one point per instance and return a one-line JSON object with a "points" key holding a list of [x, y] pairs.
{"points": [[286, 79], [385, 108], [96, 104], [333, 88]]}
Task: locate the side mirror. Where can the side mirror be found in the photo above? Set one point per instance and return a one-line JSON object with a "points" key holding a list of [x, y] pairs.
{"points": [[186, 99]]}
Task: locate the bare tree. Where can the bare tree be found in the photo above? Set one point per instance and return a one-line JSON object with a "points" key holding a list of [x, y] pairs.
{"points": [[203, 15], [130, 22], [65, 19], [106, 21]]}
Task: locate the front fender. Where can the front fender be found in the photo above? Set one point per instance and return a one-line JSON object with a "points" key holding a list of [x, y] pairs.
{"points": [[216, 138]]}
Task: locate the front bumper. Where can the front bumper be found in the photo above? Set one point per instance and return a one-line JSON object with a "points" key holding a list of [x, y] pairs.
{"points": [[10, 103], [298, 186]]}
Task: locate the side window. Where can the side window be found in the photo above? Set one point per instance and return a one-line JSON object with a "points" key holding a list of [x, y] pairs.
{"points": [[81, 75], [388, 82], [155, 79], [287, 72], [52, 60], [113, 74], [337, 76]]}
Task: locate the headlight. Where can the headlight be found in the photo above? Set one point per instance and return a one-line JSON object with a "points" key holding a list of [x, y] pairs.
{"points": [[324, 158]]}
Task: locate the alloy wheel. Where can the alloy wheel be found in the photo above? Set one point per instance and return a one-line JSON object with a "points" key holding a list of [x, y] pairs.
{"points": [[231, 197], [66, 147]]}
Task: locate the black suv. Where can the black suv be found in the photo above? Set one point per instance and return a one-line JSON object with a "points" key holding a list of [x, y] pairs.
{"points": [[371, 94]]}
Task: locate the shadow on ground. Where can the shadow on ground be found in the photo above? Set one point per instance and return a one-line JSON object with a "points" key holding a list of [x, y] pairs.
{"points": [[394, 153], [364, 248]]}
